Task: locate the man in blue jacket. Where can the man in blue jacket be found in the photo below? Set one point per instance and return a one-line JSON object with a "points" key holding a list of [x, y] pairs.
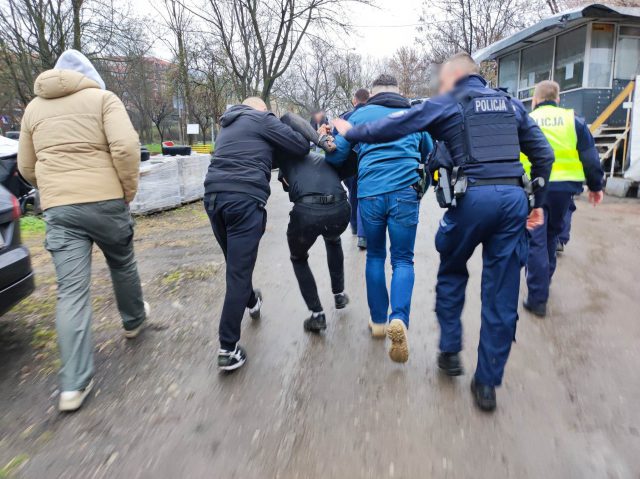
{"points": [[236, 193], [389, 202], [483, 130]]}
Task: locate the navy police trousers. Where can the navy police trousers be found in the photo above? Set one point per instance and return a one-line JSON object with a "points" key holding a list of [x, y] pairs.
{"points": [[494, 216], [544, 240]]}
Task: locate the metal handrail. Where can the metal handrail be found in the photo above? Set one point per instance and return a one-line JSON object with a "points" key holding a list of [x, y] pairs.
{"points": [[613, 106]]}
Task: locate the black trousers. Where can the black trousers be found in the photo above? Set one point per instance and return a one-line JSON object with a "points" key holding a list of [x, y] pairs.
{"points": [[306, 223], [238, 223]]}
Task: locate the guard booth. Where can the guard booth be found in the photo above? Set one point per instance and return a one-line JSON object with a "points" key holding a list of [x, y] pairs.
{"points": [[593, 52]]}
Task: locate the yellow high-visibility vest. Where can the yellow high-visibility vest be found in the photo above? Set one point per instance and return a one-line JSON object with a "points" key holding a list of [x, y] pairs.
{"points": [[559, 127]]}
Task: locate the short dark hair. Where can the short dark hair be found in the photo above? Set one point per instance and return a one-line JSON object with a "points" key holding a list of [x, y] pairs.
{"points": [[361, 95], [385, 80]]}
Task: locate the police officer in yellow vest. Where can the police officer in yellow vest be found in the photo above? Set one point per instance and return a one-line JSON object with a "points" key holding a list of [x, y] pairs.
{"points": [[576, 160]]}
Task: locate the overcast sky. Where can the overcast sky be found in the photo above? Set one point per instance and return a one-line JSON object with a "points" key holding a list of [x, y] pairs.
{"points": [[381, 31], [378, 32]]}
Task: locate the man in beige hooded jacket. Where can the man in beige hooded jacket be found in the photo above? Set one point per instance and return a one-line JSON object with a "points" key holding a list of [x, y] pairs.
{"points": [[79, 148]]}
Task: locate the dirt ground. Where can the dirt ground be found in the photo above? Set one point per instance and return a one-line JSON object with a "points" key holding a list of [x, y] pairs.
{"points": [[329, 406]]}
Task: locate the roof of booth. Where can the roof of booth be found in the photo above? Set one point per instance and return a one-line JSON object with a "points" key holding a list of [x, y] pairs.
{"points": [[559, 21]]}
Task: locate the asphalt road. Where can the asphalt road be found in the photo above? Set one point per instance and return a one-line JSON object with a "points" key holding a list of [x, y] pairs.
{"points": [[331, 406]]}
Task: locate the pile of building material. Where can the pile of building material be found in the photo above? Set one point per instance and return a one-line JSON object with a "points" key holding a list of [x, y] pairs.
{"points": [[192, 170], [168, 182]]}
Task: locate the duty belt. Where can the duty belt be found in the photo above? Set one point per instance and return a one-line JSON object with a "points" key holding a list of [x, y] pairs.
{"points": [[495, 181], [322, 200]]}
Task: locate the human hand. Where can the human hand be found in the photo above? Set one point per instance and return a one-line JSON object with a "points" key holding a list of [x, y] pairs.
{"points": [[343, 126], [324, 130], [596, 197], [535, 219], [327, 143]]}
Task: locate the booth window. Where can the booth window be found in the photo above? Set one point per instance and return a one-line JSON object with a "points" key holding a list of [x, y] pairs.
{"points": [[536, 67], [601, 55], [569, 67], [508, 72], [628, 57]]}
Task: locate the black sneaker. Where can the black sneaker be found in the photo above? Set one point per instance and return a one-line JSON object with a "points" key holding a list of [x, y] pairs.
{"points": [[362, 242], [485, 396], [315, 323], [341, 300], [231, 360], [560, 248], [539, 310], [450, 364], [255, 311]]}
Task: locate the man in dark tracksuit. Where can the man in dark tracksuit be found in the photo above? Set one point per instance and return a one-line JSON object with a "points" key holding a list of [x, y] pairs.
{"points": [[576, 161], [320, 208], [484, 131], [236, 193]]}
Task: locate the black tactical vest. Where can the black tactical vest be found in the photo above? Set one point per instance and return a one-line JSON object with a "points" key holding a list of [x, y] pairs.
{"points": [[490, 127]]}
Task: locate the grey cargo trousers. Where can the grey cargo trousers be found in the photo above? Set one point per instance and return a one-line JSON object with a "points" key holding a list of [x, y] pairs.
{"points": [[71, 232]]}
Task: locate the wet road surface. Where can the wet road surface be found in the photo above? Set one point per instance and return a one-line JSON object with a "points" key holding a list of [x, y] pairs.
{"points": [[334, 405]]}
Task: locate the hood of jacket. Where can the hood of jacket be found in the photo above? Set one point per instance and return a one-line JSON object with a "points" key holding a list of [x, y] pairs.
{"points": [[390, 100], [73, 72], [235, 112]]}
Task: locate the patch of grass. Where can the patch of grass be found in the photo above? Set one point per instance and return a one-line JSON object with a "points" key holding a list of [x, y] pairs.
{"points": [[13, 466], [36, 305], [43, 338], [32, 226], [173, 279], [154, 148]]}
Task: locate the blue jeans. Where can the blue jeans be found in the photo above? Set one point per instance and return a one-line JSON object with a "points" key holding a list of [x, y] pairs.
{"points": [[395, 212], [494, 217]]}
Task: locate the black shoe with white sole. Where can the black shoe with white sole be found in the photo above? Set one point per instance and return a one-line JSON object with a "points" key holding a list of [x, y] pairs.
{"points": [[255, 311], [316, 323], [231, 360], [341, 300]]}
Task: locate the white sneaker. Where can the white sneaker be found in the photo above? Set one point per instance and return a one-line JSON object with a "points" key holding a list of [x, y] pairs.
{"points": [[378, 330], [72, 400], [133, 333], [255, 311]]}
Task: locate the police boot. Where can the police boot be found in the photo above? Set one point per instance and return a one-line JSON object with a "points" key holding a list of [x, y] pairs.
{"points": [[450, 364], [539, 310], [485, 396], [316, 323]]}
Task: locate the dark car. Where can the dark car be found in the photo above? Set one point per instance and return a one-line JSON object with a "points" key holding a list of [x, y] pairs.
{"points": [[16, 275]]}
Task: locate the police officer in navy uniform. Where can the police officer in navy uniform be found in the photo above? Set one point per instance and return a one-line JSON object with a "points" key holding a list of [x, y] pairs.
{"points": [[576, 161], [484, 131]]}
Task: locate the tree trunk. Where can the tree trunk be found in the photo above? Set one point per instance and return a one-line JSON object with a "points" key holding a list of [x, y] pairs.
{"points": [[76, 5]]}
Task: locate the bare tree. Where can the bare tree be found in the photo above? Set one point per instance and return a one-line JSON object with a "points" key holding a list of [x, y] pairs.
{"points": [[211, 86], [310, 83], [179, 21], [411, 68], [451, 26], [260, 38]]}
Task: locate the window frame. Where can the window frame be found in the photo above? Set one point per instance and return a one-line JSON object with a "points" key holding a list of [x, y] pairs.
{"points": [[519, 53], [553, 59], [615, 48], [587, 56]]}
